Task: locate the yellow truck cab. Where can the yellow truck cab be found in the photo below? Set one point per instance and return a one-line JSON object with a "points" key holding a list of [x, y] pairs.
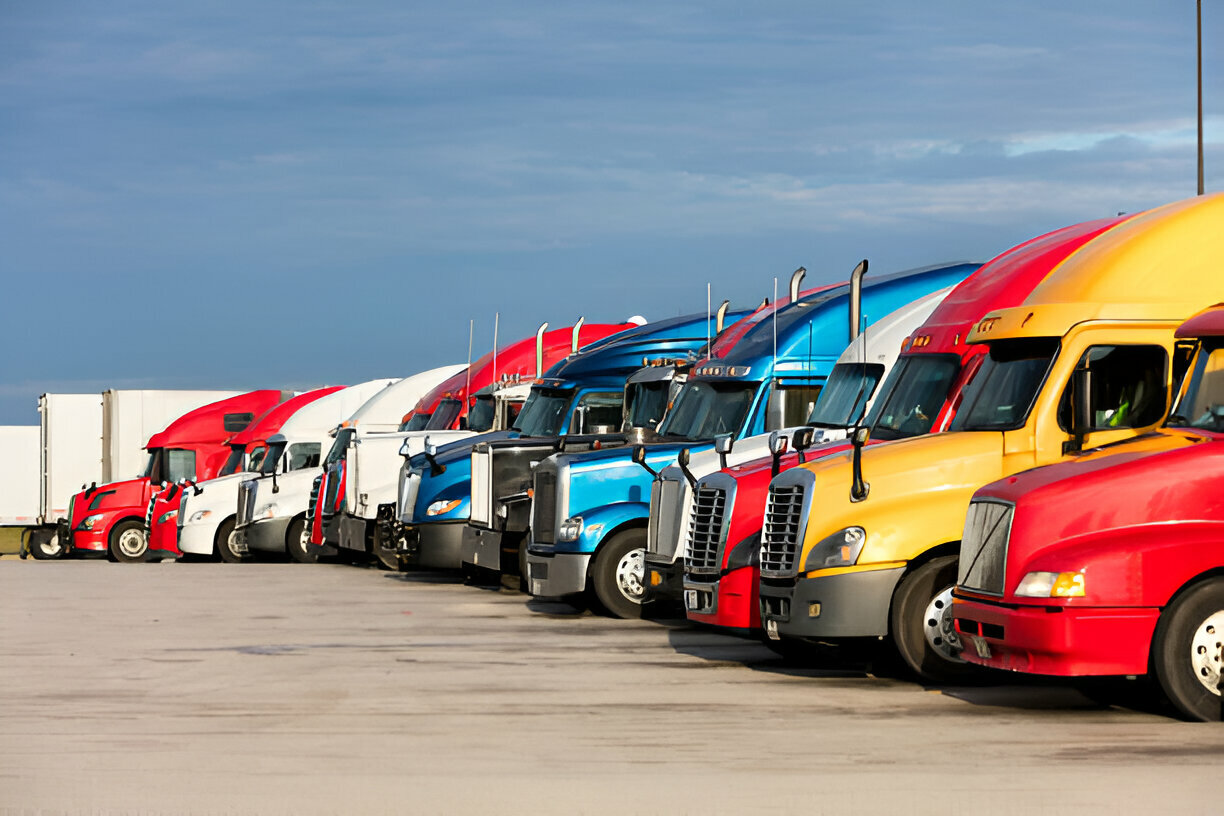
{"points": [[864, 544]]}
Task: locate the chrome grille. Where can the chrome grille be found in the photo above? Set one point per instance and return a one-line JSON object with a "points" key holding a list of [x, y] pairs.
{"points": [[482, 486], [246, 502], [983, 555], [781, 533], [663, 532], [409, 486], [705, 530], [544, 505]]}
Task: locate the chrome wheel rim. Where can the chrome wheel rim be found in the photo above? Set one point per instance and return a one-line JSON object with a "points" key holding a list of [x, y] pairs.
{"points": [[50, 546], [630, 572], [939, 629], [1206, 651], [133, 543]]}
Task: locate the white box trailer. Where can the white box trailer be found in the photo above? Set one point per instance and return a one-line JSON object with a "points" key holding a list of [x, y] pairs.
{"points": [[19, 479], [130, 417], [70, 450]]}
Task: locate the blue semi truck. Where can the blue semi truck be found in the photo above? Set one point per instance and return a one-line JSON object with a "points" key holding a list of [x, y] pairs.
{"points": [[590, 509], [580, 399]]}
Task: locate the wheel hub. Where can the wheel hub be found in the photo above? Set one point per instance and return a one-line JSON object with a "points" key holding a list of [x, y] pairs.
{"points": [[939, 629], [1206, 651], [133, 543], [630, 574]]}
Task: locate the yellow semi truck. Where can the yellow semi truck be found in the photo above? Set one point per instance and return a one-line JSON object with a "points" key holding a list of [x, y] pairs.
{"points": [[864, 544]]}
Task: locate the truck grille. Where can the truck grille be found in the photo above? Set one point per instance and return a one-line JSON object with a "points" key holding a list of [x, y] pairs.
{"points": [[705, 530], [313, 506], [663, 530], [482, 487], [246, 502], [983, 555], [544, 506], [781, 534], [409, 487]]}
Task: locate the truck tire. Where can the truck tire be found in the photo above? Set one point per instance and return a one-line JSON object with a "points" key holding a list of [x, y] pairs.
{"points": [[225, 544], [617, 574], [297, 540], [920, 630], [129, 542], [45, 545], [1186, 651], [387, 556]]}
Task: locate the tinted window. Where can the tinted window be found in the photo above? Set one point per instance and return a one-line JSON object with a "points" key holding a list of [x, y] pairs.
{"points": [[445, 415], [913, 396], [179, 464], [544, 413], [482, 414], [706, 409], [304, 455], [416, 422], [1202, 401], [598, 412], [232, 464], [845, 394], [234, 423], [1004, 389], [647, 403], [1127, 387]]}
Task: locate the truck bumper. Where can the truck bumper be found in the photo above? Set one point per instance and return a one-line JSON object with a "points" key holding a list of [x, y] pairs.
{"points": [[555, 575], [1055, 640], [163, 539], [848, 604], [89, 540], [197, 539], [351, 532], [431, 546], [731, 601], [664, 580], [481, 548], [267, 535]]}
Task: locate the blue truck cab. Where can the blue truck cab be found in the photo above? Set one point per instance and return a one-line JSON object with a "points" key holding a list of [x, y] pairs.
{"points": [[590, 509], [580, 399]]}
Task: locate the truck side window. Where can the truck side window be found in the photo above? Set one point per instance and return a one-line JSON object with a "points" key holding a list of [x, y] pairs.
{"points": [[600, 410], [179, 464], [1127, 390], [790, 405], [304, 455], [1201, 404]]}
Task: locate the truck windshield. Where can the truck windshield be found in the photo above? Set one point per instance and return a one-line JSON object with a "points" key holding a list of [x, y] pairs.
{"points": [[545, 412], [912, 396], [234, 463], [152, 465], [416, 422], [272, 458], [706, 409], [845, 394], [647, 403], [482, 414], [1003, 391], [255, 461], [1202, 401], [444, 415], [336, 453]]}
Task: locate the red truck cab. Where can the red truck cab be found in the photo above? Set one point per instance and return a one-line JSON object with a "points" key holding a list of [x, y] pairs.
{"points": [[1112, 564], [110, 518], [933, 368]]}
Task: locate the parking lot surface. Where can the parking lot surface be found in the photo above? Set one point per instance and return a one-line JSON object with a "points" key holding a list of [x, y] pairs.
{"points": [[279, 688]]}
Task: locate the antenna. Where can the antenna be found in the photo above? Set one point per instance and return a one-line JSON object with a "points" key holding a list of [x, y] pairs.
{"points": [[1199, 30], [496, 319], [467, 393], [775, 328]]}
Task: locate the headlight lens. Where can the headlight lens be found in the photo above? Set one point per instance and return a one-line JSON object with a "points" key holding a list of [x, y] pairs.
{"points": [[570, 529], [838, 550], [442, 506], [266, 512], [90, 521], [167, 516], [1051, 585], [199, 515]]}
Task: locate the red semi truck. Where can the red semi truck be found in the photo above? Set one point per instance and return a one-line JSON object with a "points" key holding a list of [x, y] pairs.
{"points": [[247, 449], [1112, 564], [109, 518], [920, 396]]}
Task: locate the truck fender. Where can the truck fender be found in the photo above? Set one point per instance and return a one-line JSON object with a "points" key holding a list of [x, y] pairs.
{"points": [[601, 523]]}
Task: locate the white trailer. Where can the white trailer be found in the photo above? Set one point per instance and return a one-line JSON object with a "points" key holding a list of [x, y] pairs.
{"points": [[130, 417], [19, 479]]}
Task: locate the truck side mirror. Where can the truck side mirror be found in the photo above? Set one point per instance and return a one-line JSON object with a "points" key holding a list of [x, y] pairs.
{"points": [[777, 447], [723, 444], [639, 457], [1081, 409], [802, 440], [682, 460], [858, 488]]}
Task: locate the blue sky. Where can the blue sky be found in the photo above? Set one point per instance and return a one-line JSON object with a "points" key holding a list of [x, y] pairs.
{"points": [[276, 194]]}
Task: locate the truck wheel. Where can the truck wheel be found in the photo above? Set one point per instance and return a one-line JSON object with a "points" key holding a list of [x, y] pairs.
{"points": [[45, 546], [297, 542], [226, 545], [129, 542], [387, 556], [921, 621], [1186, 651], [618, 574]]}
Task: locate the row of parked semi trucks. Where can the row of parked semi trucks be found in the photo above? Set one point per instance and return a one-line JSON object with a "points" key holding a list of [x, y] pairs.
{"points": [[1010, 465]]}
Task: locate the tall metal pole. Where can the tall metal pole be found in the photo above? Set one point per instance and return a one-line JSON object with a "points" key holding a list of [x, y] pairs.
{"points": [[1199, 26]]}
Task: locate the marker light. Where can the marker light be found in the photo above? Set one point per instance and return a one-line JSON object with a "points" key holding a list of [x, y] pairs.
{"points": [[570, 529], [167, 516], [442, 506], [1051, 585]]}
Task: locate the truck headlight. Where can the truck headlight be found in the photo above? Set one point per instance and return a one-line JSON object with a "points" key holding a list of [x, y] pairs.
{"points": [[199, 515], [442, 506], [838, 550], [1051, 585], [167, 516], [265, 512], [90, 521], [570, 529]]}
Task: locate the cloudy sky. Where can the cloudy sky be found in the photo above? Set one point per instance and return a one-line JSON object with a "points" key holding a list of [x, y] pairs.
{"points": [[276, 194]]}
